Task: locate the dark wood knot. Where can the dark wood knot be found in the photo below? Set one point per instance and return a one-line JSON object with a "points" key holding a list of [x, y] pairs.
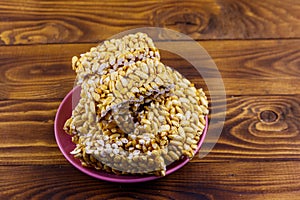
{"points": [[268, 116], [184, 19]]}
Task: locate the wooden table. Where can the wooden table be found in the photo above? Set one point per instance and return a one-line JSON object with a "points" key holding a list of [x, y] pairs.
{"points": [[255, 44]]}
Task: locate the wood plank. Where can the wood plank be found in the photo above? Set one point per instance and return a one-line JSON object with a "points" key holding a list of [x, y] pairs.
{"points": [[40, 22], [237, 180], [27, 133], [256, 129], [271, 66]]}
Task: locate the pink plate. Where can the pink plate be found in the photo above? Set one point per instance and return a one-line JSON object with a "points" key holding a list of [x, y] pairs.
{"points": [[66, 146]]}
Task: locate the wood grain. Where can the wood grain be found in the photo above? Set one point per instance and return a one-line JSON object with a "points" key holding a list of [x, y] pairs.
{"points": [[40, 22], [43, 72], [26, 131], [207, 181], [249, 134], [255, 44]]}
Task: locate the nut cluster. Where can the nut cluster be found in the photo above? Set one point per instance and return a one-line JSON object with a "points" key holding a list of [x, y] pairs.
{"points": [[135, 115]]}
